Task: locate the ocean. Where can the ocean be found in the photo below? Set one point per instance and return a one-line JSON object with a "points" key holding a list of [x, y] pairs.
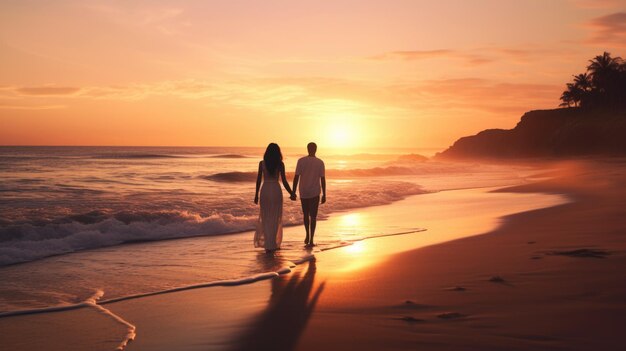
{"points": [[120, 221]]}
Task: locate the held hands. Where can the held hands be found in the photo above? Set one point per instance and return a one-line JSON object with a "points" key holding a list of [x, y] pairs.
{"points": [[293, 196]]}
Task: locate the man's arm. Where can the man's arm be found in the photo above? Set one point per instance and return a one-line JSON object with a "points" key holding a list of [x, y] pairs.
{"points": [[323, 180], [296, 178]]}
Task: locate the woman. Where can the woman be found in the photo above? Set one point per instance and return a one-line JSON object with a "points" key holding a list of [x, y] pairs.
{"points": [[269, 230]]}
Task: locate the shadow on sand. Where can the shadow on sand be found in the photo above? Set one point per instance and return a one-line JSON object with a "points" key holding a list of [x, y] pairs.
{"points": [[289, 308]]}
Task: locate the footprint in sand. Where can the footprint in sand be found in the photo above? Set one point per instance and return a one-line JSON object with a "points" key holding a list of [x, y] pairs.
{"points": [[412, 305], [497, 279], [410, 319], [450, 315], [584, 253], [457, 288]]}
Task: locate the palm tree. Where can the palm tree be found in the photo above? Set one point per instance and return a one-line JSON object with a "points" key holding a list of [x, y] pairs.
{"points": [[603, 63], [602, 86], [601, 68], [567, 99], [576, 92], [583, 81], [605, 71], [621, 89], [581, 89]]}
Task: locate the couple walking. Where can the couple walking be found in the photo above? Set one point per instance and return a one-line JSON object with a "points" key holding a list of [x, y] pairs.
{"points": [[309, 174]]}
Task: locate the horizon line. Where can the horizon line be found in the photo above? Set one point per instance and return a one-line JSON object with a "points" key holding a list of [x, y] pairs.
{"points": [[237, 146]]}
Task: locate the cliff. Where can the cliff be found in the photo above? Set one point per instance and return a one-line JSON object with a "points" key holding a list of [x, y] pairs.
{"points": [[565, 132]]}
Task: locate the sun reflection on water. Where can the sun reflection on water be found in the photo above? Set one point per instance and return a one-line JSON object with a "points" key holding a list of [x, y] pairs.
{"points": [[351, 220], [356, 248]]}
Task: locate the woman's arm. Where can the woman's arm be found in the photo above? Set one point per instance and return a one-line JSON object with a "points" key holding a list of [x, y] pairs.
{"points": [[296, 178], [258, 183], [284, 179]]}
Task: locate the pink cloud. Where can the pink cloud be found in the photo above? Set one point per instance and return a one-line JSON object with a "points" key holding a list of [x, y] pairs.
{"points": [[410, 55], [609, 30], [597, 4], [47, 91], [414, 55], [480, 94]]}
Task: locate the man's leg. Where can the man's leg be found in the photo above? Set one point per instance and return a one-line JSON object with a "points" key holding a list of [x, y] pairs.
{"points": [[306, 213], [313, 206]]}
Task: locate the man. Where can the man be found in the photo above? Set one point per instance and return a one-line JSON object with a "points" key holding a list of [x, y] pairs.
{"points": [[310, 173]]}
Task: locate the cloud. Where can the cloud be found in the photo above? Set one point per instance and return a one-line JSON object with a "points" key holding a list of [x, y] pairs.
{"points": [[474, 57], [47, 91], [31, 107], [301, 96], [609, 30], [414, 55], [597, 4], [8, 92], [480, 94], [313, 97]]}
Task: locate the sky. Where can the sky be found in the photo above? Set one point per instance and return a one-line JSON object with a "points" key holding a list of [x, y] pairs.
{"points": [[344, 73]]}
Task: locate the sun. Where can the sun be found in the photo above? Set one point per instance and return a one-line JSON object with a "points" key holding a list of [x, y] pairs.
{"points": [[342, 134]]}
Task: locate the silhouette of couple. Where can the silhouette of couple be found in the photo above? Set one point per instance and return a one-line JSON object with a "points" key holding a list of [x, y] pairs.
{"points": [[309, 175]]}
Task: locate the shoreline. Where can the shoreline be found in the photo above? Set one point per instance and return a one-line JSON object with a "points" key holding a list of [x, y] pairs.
{"points": [[221, 295], [159, 240], [549, 279], [335, 213], [243, 280]]}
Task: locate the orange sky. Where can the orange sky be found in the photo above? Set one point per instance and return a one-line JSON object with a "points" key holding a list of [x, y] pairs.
{"points": [[351, 73]]}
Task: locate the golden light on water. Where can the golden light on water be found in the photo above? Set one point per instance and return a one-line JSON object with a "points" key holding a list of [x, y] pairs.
{"points": [[350, 224], [356, 248], [359, 256], [351, 220]]}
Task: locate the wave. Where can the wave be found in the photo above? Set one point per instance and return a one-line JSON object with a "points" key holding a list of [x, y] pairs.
{"points": [[131, 156], [90, 302], [412, 158], [232, 177], [405, 165], [378, 157], [30, 239], [97, 302], [27, 242], [334, 173], [229, 156]]}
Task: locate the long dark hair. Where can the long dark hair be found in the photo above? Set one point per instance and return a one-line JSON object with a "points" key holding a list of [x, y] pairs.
{"points": [[272, 158]]}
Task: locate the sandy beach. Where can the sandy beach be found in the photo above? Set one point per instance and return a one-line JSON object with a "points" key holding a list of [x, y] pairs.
{"points": [[548, 279], [537, 266]]}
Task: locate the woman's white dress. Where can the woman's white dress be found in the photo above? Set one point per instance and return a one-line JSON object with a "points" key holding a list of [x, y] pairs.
{"points": [[269, 229]]}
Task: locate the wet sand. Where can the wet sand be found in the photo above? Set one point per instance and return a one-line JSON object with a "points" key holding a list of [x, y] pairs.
{"points": [[539, 266], [547, 279], [273, 314]]}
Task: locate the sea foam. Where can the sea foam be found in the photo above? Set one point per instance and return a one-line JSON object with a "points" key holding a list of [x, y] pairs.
{"points": [[27, 240]]}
